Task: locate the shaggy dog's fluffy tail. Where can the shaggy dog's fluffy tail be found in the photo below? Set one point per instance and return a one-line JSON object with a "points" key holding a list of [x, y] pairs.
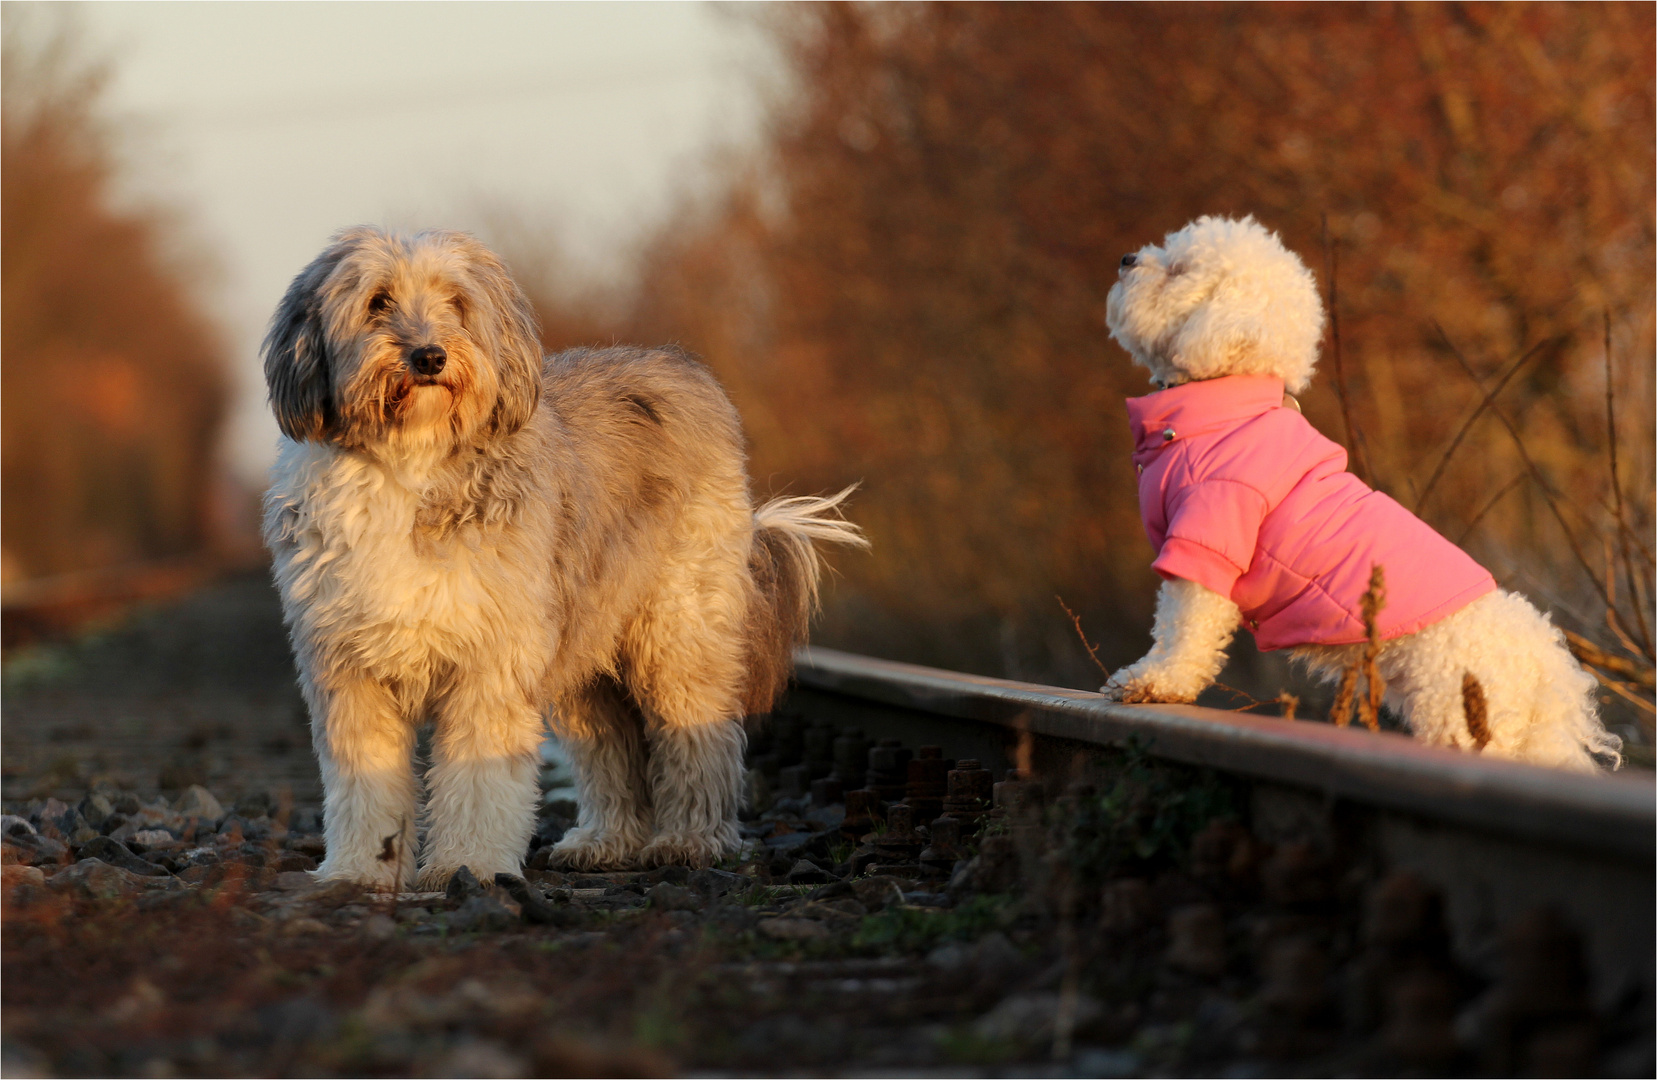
{"points": [[786, 570]]}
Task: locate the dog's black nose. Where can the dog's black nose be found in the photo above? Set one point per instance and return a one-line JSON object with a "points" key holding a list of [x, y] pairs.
{"points": [[427, 359], [1129, 260]]}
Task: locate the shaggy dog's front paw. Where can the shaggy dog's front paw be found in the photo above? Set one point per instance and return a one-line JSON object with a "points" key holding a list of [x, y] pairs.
{"points": [[589, 849], [376, 876], [1143, 683], [436, 878], [684, 849]]}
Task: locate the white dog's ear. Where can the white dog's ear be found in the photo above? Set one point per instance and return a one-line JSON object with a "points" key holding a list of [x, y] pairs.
{"points": [[502, 322], [298, 366]]}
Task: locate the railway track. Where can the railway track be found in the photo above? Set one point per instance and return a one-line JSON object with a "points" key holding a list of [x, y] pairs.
{"points": [[1496, 839]]}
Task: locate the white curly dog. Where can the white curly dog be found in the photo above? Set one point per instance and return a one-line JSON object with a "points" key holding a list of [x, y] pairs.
{"points": [[1256, 520]]}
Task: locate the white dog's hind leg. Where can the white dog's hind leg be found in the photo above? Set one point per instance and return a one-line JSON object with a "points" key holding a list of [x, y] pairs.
{"points": [[483, 782], [364, 747], [1540, 701], [1194, 626], [604, 737]]}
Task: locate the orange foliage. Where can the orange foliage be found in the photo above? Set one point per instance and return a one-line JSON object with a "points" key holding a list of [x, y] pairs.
{"points": [[112, 387], [910, 290]]}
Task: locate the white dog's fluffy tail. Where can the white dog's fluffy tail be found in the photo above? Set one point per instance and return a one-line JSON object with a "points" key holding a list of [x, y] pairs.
{"points": [[786, 570], [1540, 701]]}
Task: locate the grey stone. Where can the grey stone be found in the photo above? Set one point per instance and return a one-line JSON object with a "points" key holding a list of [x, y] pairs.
{"points": [[805, 872], [47, 851], [111, 851], [463, 884], [791, 929], [97, 808], [533, 907], [55, 816], [789, 841], [1106, 1064], [670, 897], [198, 802], [712, 883], [481, 914], [94, 878], [1028, 1019]]}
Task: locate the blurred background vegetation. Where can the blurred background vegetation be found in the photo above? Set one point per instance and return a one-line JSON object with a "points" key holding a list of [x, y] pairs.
{"points": [[906, 288], [112, 383]]}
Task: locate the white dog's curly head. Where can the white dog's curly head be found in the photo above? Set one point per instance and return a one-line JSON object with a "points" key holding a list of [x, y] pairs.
{"points": [[419, 339], [1219, 297]]}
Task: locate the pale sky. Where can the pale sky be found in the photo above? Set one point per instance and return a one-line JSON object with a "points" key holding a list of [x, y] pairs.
{"points": [[268, 126]]}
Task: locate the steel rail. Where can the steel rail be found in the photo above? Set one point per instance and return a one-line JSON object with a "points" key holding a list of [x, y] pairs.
{"points": [[1615, 814]]}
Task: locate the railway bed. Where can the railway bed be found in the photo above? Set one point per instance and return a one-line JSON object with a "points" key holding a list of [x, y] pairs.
{"points": [[1497, 839]]}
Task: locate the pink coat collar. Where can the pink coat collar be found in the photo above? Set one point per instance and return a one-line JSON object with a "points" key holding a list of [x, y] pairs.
{"points": [[1195, 407]]}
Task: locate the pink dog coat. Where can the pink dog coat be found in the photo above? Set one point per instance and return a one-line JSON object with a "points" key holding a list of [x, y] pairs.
{"points": [[1243, 496]]}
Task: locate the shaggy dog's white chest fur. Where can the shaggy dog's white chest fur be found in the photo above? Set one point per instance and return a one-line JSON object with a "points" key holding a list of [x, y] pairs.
{"points": [[356, 557]]}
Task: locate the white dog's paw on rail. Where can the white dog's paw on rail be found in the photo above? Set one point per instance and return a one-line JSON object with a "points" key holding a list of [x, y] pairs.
{"points": [[1143, 683]]}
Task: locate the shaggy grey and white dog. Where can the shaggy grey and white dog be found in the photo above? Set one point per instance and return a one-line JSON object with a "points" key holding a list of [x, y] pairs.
{"points": [[467, 533]]}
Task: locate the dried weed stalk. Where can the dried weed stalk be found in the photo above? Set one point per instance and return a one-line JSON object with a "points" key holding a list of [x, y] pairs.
{"points": [[1375, 598], [1368, 707], [1473, 705]]}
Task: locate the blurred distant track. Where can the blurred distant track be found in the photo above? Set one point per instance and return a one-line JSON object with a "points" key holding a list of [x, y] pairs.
{"points": [[1496, 837], [53, 607]]}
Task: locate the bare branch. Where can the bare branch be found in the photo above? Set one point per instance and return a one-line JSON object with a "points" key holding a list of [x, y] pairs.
{"points": [[1530, 464], [1332, 262], [1484, 403], [1518, 479], [1594, 656], [1092, 649]]}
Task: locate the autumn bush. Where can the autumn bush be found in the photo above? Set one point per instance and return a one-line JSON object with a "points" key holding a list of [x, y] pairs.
{"points": [[908, 288], [112, 387]]}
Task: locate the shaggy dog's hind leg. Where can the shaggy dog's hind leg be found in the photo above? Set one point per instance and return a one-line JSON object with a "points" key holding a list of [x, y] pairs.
{"points": [[695, 786], [687, 671], [483, 782], [604, 736], [364, 746]]}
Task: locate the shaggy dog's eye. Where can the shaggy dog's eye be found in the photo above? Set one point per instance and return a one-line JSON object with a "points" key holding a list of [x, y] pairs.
{"points": [[379, 303], [1129, 260], [460, 305]]}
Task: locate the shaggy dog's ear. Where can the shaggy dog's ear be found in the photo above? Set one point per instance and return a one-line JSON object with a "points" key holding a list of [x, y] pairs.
{"points": [[503, 324], [298, 367]]}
